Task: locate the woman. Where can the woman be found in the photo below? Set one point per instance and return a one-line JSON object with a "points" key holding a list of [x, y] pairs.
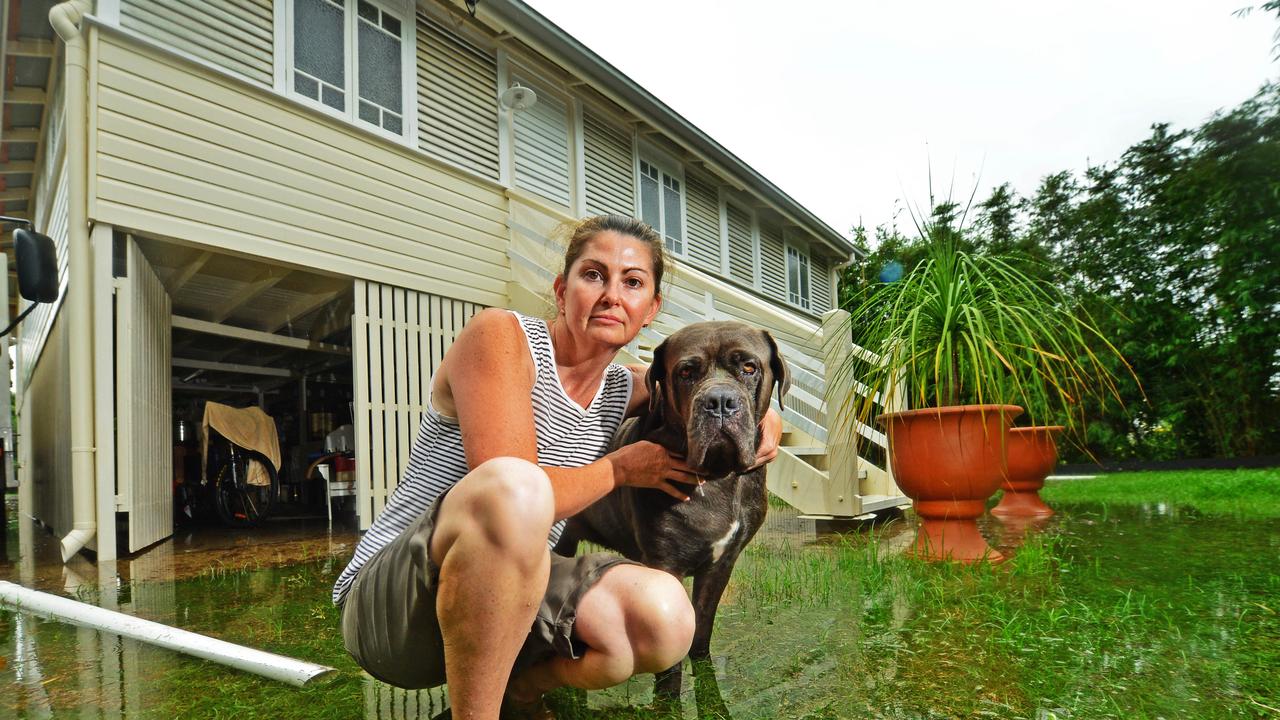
{"points": [[454, 581]]}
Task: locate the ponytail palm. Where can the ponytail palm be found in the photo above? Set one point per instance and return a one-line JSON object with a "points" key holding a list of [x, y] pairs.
{"points": [[966, 327]]}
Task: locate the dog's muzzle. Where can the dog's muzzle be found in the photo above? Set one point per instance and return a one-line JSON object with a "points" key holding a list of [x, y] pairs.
{"points": [[721, 432]]}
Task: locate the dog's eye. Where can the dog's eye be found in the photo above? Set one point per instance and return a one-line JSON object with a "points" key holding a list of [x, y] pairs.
{"points": [[748, 368], [685, 372]]}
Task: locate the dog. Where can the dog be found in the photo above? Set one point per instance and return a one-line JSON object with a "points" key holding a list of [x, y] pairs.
{"points": [[710, 385]]}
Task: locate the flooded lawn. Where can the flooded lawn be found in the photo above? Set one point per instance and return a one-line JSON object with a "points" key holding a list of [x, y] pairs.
{"points": [[1109, 610]]}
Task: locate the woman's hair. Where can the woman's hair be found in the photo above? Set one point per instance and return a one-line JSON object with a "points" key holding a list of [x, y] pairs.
{"points": [[586, 229]]}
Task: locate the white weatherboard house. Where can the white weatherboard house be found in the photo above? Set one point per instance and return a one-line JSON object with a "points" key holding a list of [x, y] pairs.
{"points": [[261, 201]]}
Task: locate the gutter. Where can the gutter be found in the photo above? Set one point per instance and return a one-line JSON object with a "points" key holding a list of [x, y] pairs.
{"points": [[66, 18], [527, 24]]}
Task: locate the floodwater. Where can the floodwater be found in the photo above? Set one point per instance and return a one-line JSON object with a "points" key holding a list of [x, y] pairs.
{"points": [[1101, 612]]}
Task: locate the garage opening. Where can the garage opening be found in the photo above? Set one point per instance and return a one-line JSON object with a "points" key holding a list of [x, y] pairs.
{"points": [[238, 371]]}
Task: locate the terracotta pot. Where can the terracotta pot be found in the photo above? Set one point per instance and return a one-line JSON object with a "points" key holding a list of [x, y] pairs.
{"points": [[949, 460], [1033, 451]]}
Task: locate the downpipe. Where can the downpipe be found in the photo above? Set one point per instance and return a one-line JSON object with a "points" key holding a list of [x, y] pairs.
{"points": [[66, 18], [259, 662]]}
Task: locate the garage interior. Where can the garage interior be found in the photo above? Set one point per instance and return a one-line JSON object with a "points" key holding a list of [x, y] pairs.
{"points": [[251, 333]]}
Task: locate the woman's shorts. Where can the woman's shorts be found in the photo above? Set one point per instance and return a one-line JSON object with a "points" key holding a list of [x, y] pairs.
{"points": [[389, 621]]}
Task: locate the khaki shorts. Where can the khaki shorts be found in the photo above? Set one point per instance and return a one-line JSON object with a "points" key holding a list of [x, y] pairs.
{"points": [[389, 622]]}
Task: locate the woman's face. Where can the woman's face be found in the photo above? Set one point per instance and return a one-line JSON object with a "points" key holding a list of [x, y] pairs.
{"points": [[608, 293]]}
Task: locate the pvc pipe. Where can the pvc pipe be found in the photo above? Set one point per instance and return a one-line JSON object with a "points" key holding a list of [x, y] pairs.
{"points": [[259, 662], [65, 18]]}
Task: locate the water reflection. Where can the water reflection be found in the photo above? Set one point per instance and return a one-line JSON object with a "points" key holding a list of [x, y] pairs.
{"points": [[1008, 533], [1149, 597], [385, 702]]}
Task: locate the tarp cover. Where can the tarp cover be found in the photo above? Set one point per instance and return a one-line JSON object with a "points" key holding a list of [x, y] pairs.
{"points": [[250, 428]]}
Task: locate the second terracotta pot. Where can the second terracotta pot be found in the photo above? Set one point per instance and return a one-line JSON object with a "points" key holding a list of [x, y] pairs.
{"points": [[949, 460], [1032, 454]]}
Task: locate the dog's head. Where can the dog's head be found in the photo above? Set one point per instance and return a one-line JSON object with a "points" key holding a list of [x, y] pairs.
{"points": [[713, 380]]}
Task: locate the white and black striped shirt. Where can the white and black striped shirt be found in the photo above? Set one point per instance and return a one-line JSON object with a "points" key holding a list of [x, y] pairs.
{"points": [[568, 436]]}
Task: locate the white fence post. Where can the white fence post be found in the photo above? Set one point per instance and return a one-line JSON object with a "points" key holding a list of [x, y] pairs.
{"points": [[842, 455]]}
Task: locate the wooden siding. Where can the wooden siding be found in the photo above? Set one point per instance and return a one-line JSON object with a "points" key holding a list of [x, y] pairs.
{"points": [[609, 167], [819, 284], [457, 99], [183, 153], [399, 338], [703, 210], [741, 266], [773, 265], [542, 146], [50, 467], [236, 35]]}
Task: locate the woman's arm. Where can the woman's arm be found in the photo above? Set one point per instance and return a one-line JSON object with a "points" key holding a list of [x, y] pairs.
{"points": [[489, 375], [639, 390], [770, 437]]}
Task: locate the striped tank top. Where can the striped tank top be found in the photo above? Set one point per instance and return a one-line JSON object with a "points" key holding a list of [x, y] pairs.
{"points": [[567, 435]]}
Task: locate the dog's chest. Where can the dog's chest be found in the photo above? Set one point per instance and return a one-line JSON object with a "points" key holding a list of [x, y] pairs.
{"points": [[697, 533]]}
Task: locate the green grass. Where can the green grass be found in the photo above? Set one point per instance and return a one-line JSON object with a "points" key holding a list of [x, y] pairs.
{"points": [[1247, 494]]}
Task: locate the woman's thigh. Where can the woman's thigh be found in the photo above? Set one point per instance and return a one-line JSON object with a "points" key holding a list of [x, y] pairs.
{"points": [[389, 619]]}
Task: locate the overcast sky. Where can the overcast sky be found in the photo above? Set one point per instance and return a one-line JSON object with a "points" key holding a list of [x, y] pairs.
{"points": [[843, 105]]}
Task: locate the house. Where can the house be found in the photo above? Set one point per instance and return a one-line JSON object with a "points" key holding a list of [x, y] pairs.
{"points": [[298, 203]]}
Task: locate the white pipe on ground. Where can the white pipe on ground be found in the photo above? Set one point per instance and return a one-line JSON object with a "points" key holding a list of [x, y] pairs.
{"points": [[65, 19], [259, 662]]}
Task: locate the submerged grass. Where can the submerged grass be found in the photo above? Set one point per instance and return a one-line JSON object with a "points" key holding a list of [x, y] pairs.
{"points": [[1107, 611], [1247, 494]]}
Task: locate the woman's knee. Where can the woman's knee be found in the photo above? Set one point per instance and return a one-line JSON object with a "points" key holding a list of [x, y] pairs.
{"points": [[507, 501], [660, 623]]}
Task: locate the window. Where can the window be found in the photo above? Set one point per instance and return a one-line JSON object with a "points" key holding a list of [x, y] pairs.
{"points": [[348, 57], [797, 277], [661, 204]]}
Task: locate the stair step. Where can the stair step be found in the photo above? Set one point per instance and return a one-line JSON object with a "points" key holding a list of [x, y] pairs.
{"points": [[800, 450], [871, 503]]}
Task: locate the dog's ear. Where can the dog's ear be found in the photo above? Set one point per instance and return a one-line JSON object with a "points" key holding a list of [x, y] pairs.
{"points": [[656, 381], [781, 373]]}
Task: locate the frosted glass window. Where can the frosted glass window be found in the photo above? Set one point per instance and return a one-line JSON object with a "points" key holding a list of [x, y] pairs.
{"points": [[319, 63], [322, 70], [649, 202], [671, 224], [379, 63], [798, 277], [661, 205]]}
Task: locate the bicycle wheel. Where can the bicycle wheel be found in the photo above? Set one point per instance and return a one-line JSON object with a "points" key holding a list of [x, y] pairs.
{"points": [[238, 503]]}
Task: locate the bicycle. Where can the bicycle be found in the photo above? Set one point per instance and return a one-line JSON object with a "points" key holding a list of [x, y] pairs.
{"points": [[236, 502]]}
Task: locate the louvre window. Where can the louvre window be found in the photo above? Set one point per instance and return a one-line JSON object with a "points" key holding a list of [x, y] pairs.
{"points": [[542, 145], [348, 57], [662, 204]]}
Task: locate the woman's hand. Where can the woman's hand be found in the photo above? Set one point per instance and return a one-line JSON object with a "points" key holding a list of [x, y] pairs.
{"points": [[648, 465], [770, 436]]}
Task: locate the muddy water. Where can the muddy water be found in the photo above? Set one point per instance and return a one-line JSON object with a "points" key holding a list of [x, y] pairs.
{"points": [[1100, 613]]}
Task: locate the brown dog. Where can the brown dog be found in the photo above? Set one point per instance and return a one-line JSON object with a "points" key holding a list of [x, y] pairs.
{"points": [[710, 385]]}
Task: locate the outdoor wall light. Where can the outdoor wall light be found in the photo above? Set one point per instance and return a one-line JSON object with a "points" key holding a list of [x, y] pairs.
{"points": [[517, 97]]}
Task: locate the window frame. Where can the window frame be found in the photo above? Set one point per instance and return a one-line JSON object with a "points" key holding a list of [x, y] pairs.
{"points": [[801, 251], [402, 10], [666, 169]]}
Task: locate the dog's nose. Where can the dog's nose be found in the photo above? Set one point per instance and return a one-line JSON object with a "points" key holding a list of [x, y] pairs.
{"points": [[721, 403]]}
